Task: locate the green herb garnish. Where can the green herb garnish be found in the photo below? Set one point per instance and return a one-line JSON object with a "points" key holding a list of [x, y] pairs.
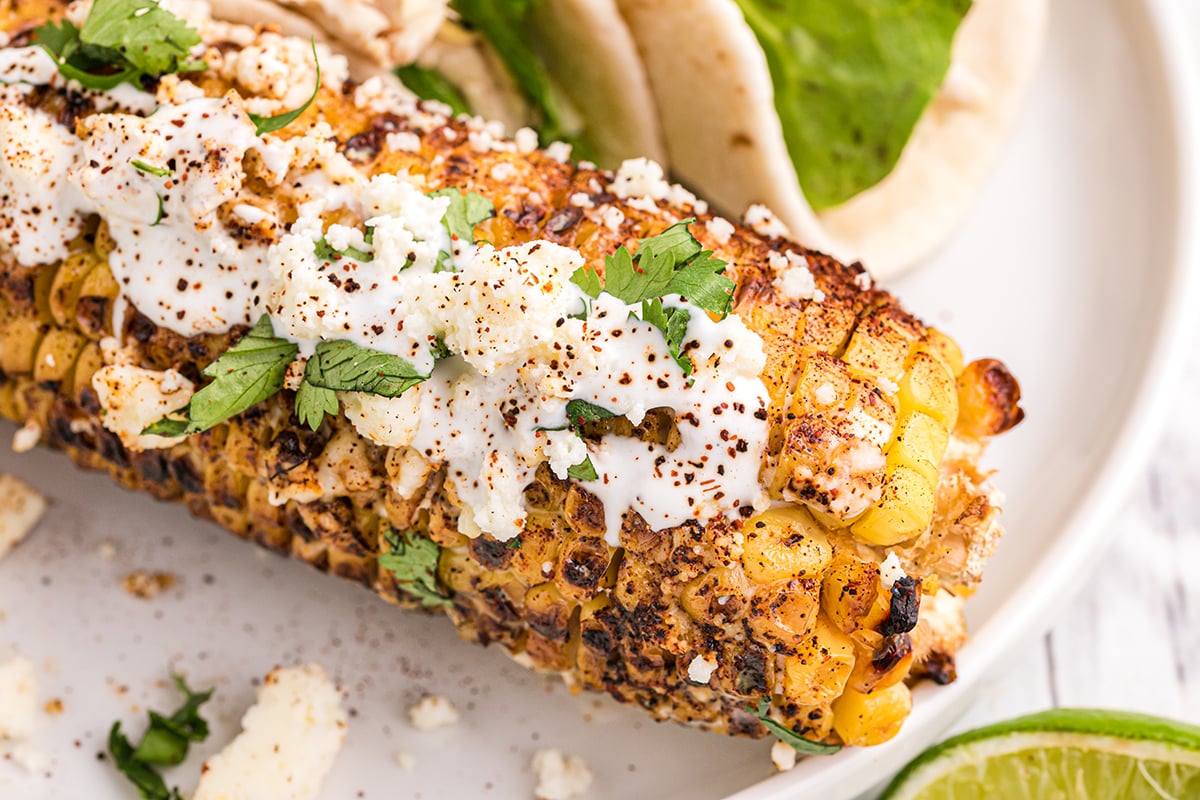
{"points": [[413, 560], [326, 252], [672, 262], [165, 743], [466, 210], [121, 41], [271, 124], [789, 737], [430, 84], [248, 373], [583, 471], [158, 172], [851, 80], [347, 367], [313, 403]]}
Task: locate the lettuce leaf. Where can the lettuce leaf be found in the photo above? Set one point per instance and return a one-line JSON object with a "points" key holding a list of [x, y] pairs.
{"points": [[851, 80]]}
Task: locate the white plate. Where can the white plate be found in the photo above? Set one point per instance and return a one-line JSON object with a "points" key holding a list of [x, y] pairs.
{"points": [[1072, 270]]}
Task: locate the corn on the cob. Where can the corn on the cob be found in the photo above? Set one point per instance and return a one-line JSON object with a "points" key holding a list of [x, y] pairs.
{"points": [[876, 426]]}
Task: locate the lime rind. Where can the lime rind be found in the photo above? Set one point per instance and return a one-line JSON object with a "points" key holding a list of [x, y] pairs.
{"points": [[1160, 755]]}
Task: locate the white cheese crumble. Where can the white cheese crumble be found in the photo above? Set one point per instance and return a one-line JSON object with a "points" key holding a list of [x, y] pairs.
{"points": [[783, 756], [432, 713], [581, 200], [641, 182], [560, 777], [863, 281], [887, 385], [133, 399], [764, 222], [890, 571], [27, 437], [21, 508], [403, 141], [406, 761], [700, 670], [558, 151], [825, 395], [611, 217], [720, 229], [289, 740]]}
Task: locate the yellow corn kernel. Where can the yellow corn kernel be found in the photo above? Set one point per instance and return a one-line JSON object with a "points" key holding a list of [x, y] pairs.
{"points": [[946, 349], [824, 384], [717, 596], [783, 616], [784, 543], [548, 612], [819, 669], [905, 510], [864, 720], [849, 591], [56, 355], [19, 338], [88, 364], [988, 397], [919, 444], [68, 280], [928, 386], [877, 669], [878, 349]]}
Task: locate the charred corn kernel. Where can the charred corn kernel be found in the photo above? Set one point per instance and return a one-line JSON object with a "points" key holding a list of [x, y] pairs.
{"points": [[718, 596], [68, 282], [817, 672], [868, 719], [987, 399], [946, 350], [905, 510], [784, 543], [89, 362], [919, 444], [928, 386], [547, 611], [782, 616], [882, 666], [849, 591]]}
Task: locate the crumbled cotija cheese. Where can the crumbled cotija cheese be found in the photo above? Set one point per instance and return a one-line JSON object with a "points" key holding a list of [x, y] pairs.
{"points": [[720, 229], [560, 777], [432, 713], [783, 756], [27, 437], [890, 571], [289, 740], [134, 399], [764, 222], [18, 698], [700, 670], [20, 510]]}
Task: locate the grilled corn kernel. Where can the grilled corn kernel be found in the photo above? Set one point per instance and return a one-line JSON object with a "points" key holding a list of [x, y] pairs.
{"points": [[849, 591], [784, 543], [928, 386], [987, 399], [869, 719], [905, 510], [820, 667], [919, 443], [946, 350], [782, 616]]}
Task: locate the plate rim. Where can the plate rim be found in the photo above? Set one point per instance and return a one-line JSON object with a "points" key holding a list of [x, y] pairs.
{"points": [[1077, 551]]}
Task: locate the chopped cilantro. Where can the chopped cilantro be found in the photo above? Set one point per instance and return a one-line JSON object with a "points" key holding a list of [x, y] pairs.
{"points": [[430, 84], [246, 374], [583, 471], [346, 367], [158, 172], [789, 737], [121, 41], [673, 323], [412, 559], [313, 403], [165, 743], [271, 124], [325, 252], [466, 210]]}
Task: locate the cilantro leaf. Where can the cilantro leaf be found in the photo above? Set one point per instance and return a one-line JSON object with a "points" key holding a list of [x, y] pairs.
{"points": [[851, 80], [789, 737], [430, 84], [246, 374], [466, 210], [673, 323], [325, 252], [121, 41], [346, 367], [165, 743], [271, 124], [313, 403], [439, 349], [412, 560], [670, 263], [583, 471], [581, 411]]}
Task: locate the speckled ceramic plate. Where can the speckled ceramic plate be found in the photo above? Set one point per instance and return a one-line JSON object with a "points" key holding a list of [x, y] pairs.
{"points": [[1071, 269]]}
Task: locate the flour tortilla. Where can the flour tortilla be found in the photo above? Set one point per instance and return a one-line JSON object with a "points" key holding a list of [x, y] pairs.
{"points": [[723, 137]]}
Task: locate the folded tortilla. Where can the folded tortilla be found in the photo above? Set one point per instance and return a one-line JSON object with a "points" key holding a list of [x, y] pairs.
{"points": [[715, 98]]}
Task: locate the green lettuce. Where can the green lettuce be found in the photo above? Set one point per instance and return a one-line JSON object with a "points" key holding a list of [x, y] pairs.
{"points": [[851, 79]]}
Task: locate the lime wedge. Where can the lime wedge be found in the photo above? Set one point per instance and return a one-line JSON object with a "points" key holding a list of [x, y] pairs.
{"points": [[1065, 754]]}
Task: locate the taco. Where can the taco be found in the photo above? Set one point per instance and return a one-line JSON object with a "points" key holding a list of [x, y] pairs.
{"points": [[867, 126]]}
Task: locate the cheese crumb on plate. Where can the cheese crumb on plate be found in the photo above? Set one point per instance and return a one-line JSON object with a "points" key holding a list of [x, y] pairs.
{"points": [[560, 777], [433, 713], [20, 510]]}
